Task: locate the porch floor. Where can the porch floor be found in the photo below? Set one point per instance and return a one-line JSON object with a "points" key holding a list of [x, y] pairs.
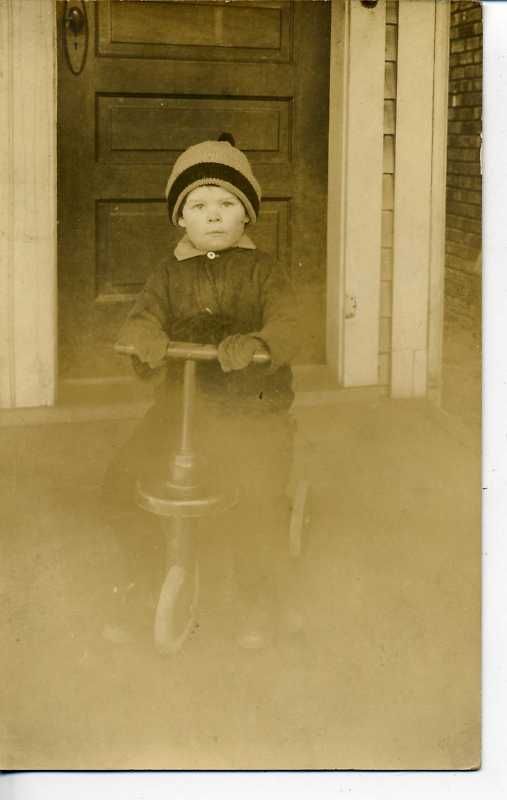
{"points": [[386, 674]]}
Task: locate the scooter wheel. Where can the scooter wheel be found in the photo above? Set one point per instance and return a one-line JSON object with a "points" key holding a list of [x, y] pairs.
{"points": [[176, 612]]}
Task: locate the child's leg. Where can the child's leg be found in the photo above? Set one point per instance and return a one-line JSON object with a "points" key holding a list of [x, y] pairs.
{"points": [[259, 458], [145, 451], [136, 539], [261, 549]]}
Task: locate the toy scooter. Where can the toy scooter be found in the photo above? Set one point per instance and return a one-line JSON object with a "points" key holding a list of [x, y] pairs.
{"points": [[185, 494]]}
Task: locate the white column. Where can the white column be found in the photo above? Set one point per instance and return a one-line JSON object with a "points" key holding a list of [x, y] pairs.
{"points": [[419, 208], [338, 74], [355, 192], [438, 199], [27, 203]]}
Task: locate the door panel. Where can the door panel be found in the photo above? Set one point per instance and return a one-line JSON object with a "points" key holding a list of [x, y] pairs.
{"points": [[154, 130], [236, 31], [166, 75]]}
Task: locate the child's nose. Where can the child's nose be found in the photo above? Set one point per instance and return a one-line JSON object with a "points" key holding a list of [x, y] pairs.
{"points": [[213, 214]]}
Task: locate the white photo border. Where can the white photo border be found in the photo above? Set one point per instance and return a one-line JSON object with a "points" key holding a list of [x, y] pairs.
{"points": [[490, 782]]}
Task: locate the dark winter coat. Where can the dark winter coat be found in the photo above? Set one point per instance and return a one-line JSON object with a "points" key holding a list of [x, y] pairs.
{"points": [[192, 297]]}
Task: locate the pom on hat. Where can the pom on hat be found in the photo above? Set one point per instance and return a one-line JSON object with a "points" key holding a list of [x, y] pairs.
{"points": [[227, 137], [213, 163]]}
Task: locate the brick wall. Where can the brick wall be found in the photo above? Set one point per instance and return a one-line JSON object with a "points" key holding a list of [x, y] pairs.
{"points": [[463, 234]]}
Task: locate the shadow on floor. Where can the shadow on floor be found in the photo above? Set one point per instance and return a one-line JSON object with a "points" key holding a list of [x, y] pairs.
{"points": [[385, 675]]}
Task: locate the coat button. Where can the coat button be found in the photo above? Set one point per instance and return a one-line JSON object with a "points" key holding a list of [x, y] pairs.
{"points": [[211, 255]]}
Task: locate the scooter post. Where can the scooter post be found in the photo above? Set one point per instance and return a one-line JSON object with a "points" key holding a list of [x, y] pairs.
{"points": [[188, 406], [186, 491]]}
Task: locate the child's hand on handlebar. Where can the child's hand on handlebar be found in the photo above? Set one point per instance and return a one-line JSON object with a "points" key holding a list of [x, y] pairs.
{"points": [[150, 352], [236, 351]]}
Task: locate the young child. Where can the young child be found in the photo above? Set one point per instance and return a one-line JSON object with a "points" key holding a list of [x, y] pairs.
{"points": [[217, 288]]}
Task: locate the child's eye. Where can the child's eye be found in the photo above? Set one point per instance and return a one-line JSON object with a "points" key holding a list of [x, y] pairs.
{"points": [[228, 203], [198, 205]]}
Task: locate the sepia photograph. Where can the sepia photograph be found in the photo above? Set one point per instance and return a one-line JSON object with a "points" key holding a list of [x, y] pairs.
{"points": [[240, 384]]}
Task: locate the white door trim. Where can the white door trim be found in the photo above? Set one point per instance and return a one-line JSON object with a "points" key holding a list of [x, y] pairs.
{"points": [[419, 197], [28, 310], [438, 200], [335, 255], [355, 191]]}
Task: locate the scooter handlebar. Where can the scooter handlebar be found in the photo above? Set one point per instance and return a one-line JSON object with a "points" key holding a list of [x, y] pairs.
{"points": [[194, 352]]}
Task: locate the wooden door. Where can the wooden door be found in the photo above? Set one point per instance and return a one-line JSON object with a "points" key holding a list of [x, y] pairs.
{"points": [[157, 77]]}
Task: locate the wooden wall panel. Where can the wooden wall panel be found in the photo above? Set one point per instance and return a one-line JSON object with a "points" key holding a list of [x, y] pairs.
{"points": [[388, 192], [387, 264], [272, 229], [387, 228], [384, 369], [385, 334], [125, 228], [391, 43], [389, 116], [438, 195], [392, 12], [389, 166], [155, 130], [388, 155], [6, 236], [219, 30], [335, 241], [390, 81]]}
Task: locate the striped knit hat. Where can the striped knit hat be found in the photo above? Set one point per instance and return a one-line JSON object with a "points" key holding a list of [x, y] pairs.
{"points": [[214, 163]]}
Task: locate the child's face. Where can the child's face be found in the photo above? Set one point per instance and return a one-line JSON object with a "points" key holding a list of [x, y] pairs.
{"points": [[213, 218]]}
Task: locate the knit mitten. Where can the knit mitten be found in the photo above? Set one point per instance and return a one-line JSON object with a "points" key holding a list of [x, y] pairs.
{"points": [[236, 351], [150, 345]]}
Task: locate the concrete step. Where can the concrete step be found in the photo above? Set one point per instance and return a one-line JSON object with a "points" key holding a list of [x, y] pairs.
{"points": [[127, 398]]}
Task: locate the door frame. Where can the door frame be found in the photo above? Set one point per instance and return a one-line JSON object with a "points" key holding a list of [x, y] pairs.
{"points": [[28, 220]]}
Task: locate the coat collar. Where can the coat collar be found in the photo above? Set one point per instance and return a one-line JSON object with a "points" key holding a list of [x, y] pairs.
{"points": [[185, 249]]}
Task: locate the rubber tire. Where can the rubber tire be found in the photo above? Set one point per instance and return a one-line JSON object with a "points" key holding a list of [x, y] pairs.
{"points": [[167, 640]]}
